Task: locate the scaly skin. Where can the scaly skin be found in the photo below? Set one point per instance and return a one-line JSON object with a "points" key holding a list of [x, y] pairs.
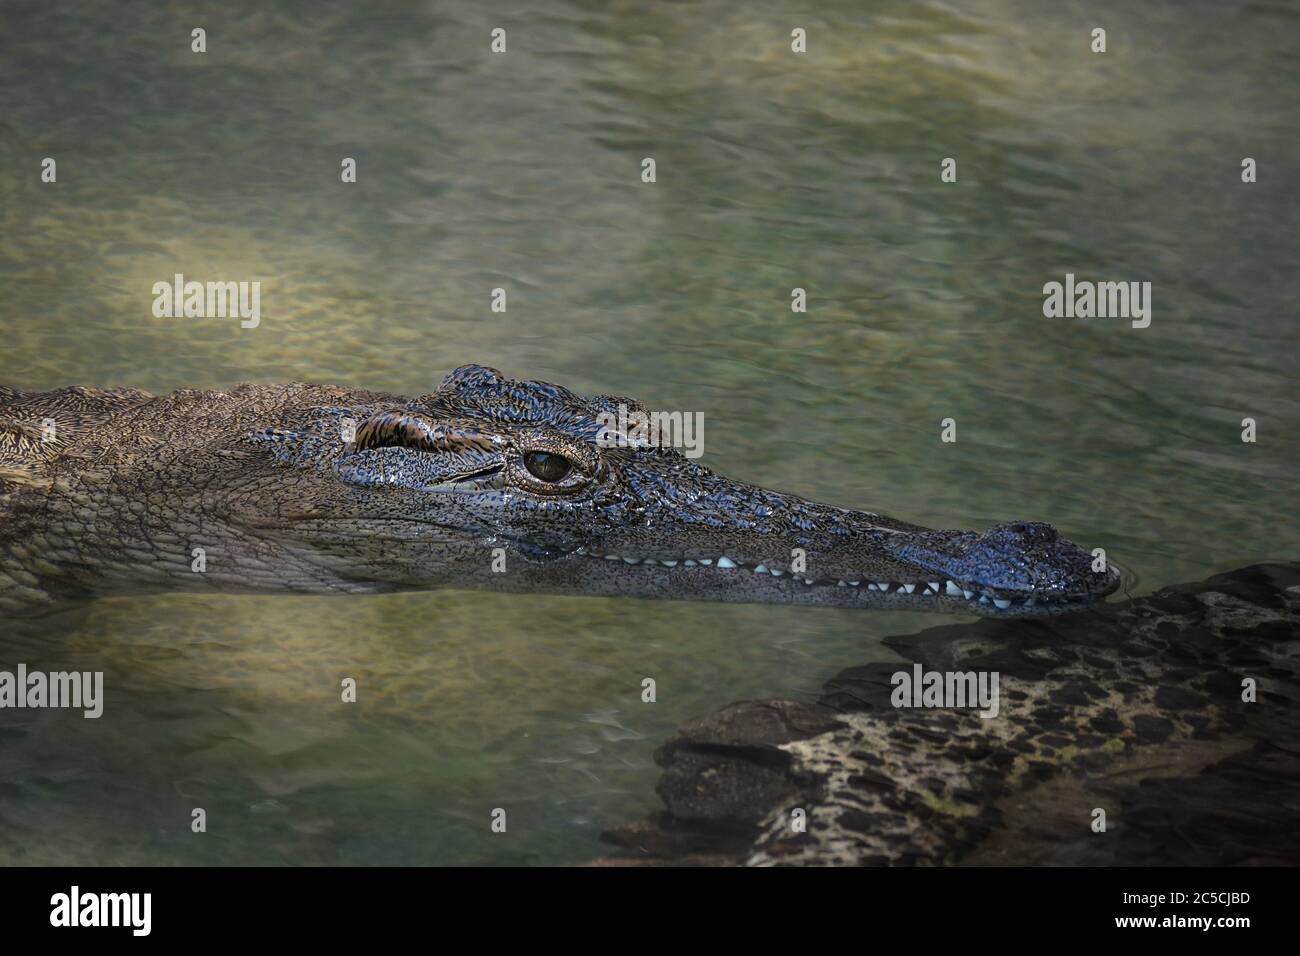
{"points": [[260, 477]]}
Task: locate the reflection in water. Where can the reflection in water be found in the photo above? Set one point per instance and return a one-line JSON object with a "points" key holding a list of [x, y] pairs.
{"points": [[522, 172]]}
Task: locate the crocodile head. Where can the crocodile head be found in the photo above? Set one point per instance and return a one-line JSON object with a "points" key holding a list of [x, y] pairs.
{"points": [[524, 486]]}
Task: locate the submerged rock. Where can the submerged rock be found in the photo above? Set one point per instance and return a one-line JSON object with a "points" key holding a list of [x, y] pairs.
{"points": [[1136, 713]]}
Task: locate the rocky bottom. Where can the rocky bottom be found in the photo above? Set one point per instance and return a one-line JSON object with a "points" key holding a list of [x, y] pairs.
{"points": [[1133, 710]]}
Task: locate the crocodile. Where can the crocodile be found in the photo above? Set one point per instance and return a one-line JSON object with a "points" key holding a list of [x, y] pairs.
{"points": [[486, 483], [1172, 713]]}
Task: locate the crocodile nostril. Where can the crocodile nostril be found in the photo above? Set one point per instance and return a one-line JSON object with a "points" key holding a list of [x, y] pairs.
{"points": [[1027, 531]]}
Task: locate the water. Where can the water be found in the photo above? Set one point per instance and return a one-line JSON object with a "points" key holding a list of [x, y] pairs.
{"points": [[522, 171]]}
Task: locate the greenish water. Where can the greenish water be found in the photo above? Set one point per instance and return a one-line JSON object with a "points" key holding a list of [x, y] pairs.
{"points": [[521, 170]]}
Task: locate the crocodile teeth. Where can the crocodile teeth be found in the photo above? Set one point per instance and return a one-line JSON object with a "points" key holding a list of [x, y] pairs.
{"points": [[927, 588]]}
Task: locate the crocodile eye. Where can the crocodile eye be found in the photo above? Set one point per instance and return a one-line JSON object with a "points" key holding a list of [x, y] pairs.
{"points": [[548, 467]]}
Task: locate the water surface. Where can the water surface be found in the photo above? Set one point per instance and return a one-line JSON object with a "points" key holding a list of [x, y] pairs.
{"points": [[521, 171]]}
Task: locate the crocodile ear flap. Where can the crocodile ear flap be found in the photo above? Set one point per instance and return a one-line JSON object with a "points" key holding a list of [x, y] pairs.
{"points": [[401, 428]]}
